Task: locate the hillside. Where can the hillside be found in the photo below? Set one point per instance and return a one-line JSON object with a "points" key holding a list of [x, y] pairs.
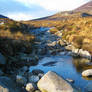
{"points": [[85, 8], [15, 35], [76, 25]]}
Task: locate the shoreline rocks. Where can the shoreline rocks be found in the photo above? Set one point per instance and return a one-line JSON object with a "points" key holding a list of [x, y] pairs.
{"points": [[78, 52]]}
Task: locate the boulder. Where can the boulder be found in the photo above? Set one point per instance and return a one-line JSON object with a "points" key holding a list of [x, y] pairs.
{"points": [[2, 59], [51, 82], [87, 73], [7, 85]]}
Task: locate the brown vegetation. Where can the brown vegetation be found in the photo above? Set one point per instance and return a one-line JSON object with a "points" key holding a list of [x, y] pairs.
{"points": [[76, 30]]}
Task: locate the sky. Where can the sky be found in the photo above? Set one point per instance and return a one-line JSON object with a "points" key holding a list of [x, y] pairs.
{"points": [[32, 9]]}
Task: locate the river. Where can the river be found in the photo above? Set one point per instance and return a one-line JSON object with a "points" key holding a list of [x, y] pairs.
{"points": [[62, 62]]}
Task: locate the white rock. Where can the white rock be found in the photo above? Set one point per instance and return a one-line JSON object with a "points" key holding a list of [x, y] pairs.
{"points": [[51, 82], [85, 54], [30, 87], [87, 73]]}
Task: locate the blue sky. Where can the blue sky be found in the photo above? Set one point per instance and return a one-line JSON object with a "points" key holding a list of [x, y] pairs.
{"points": [[31, 9]]}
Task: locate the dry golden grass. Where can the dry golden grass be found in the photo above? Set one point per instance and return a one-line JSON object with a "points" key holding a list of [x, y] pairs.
{"points": [[76, 30]]}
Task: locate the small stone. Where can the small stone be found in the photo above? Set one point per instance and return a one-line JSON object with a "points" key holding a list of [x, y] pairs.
{"points": [[33, 78], [37, 91], [70, 80], [87, 73], [37, 71], [40, 75], [21, 80], [30, 87]]}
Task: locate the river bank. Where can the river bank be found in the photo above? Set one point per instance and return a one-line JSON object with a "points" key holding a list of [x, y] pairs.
{"points": [[49, 55]]}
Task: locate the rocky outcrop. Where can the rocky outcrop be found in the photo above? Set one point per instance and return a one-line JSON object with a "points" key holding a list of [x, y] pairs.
{"points": [[87, 73], [51, 82]]}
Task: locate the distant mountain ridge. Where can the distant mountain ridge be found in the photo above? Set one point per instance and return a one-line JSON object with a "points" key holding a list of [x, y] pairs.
{"points": [[83, 11], [1, 16]]}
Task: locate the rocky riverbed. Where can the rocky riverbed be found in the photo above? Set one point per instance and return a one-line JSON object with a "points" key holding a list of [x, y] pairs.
{"points": [[51, 53]]}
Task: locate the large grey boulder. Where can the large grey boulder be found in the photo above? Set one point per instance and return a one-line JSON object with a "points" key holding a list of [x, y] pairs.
{"points": [[2, 59], [87, 73], [51, 82], [7, 85]]}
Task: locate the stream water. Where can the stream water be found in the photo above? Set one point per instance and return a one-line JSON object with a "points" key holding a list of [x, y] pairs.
{"points": [[62, 63]]}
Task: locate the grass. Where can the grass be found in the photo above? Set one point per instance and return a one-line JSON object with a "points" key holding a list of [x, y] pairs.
{"points": [[14, 36], [76, 30]]}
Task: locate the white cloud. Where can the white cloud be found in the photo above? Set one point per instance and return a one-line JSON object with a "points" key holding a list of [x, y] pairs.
{"points": [[19, 16], [58, 5]]}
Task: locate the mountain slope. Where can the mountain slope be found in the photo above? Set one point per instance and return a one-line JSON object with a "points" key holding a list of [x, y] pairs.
{"points": [[85, 8], [83, 11]]}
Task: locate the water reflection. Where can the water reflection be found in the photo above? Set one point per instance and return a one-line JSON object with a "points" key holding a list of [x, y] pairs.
{"points": [[81, 64], [66, 67]]}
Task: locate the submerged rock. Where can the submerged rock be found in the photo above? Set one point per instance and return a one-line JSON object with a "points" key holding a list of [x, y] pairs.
{"points": [[87, 73], [70, 80], [51, 82]]}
